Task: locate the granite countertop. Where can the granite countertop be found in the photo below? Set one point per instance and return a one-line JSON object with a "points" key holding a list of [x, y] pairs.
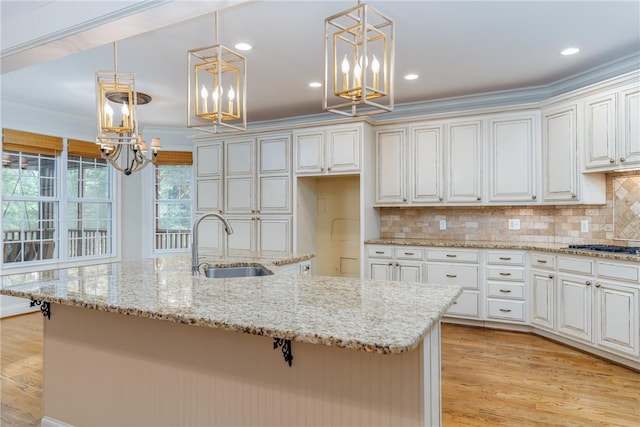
{"points": [[483, 244], [373, 316]]}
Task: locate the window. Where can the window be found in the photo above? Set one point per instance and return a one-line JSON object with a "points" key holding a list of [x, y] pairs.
{"points": [[43, 219], [172, 201], [29, 207]]}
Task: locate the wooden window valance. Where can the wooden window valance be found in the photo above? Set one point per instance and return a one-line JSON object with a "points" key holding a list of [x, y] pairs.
{"points": [[17, 140], [175, 158], [76, 147]]}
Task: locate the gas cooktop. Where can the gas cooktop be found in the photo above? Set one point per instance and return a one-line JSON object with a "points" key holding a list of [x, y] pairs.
{"points": [[608, 248]]}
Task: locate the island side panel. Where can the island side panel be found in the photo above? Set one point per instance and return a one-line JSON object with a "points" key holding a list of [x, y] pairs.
{"points": [[110, 369]]}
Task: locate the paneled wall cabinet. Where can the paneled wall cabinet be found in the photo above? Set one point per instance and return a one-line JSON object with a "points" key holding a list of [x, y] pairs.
{"points": [[590, 303], [248, 179], [328, 150]]}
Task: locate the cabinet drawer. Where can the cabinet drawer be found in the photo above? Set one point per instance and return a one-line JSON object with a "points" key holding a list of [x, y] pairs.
{"points": [[379, 251], [575, 265], [461, 275], [508, 310], [409, 253], [452, 255], [465, 305], [505, 258], [543, 261], [505, 290], [611, 270], [501, 273]]}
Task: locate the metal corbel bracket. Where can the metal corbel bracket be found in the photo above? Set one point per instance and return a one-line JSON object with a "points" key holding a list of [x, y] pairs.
{"points": [[45, 307], [286, 349]]}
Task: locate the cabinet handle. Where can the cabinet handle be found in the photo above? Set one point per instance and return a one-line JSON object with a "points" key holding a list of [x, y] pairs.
{"points": [[534, 197], [452, 275], [611, 161], [455, 302], [505, 291], [505, 310], [409, 253], [505, 274], [379, 252], [588, 283], [573, 196], [541, 261], [551, 276], [451, 256], [597, 285], [505, 258], [622, 159]]}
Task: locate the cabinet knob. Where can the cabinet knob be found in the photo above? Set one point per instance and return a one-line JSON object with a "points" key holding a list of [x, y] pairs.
{"points": [[329, 169], [573, 196], [622, 159], [588, 283], [321, 169], [253, 211], [404, 199], [534, 197], [597, 285], [397, 264], [440, 198], [551, 276], [611, 161], [479, 198], [390, 264]]}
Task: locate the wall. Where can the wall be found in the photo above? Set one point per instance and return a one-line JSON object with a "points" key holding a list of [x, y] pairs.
{"points": [[538, 224]]}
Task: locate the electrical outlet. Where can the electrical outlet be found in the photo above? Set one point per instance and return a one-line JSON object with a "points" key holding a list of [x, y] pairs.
{"points": [[443, 224], [514, 224], [584, 226]]}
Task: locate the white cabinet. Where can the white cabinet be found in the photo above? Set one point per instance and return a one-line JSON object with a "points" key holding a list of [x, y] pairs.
{"points": [[259, 235], [328, 150], [513, 165], [464, 161], [612, 129], [575, 297], [506, 286], [426, 164], [274, 175], [208, 177], [240, 164], [401, 263], [391, 176], [458, 267], [617, 317], [559, 154], [542, 280]]}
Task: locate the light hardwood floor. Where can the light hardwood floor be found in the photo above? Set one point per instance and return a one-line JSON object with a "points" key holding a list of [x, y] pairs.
{"points": [[489, 378]]}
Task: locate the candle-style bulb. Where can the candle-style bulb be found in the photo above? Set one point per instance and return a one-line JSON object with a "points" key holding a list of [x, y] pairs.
{"points": [[204, 94]]}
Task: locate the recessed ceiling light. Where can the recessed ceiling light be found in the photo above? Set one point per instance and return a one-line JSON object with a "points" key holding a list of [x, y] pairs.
{"points": [[315, 84], [570, 51], [243, 46], [411, 77]]}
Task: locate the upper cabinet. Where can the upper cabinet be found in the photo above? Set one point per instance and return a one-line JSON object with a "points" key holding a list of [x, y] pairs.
{"points": [[612, 129], [391, 179], [208, 177], [513, 164], [328, 150], [464, 161], [560, 153]]}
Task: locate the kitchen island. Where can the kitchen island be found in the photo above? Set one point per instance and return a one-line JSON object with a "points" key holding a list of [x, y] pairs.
{"points": [[145, 343]]}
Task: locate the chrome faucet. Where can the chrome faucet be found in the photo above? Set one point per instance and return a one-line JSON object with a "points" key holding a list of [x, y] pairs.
{"points": [[195, 266]]}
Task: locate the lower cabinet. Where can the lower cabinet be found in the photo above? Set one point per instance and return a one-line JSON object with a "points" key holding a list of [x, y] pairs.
{"points": [[265, 235], [543, 301], [575, 307], [617, 315], [403, 264]]}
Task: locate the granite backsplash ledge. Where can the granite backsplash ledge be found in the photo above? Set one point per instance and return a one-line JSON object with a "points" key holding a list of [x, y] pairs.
{"points": [[538, 224]]}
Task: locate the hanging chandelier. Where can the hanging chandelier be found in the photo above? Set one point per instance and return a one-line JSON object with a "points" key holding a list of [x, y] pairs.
{"points": [[358, 62], [118, 134], [217, 88]]}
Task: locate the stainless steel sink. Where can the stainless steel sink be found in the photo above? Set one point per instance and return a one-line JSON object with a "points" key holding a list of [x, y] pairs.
{"points": [[228, 272]]}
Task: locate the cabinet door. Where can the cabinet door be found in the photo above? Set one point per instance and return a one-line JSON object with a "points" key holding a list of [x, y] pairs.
{"points": [[239, 157], [617, 317], [467, 305], [243, 240], [209, 159], [512, 172], [275, 235], [409, 272], [239, 195], [426, 169], [343, 150], [209, 195], [600, 122], [381, 270], [240, 163], [274, 194], [543, 299], [211, 237], [391, 174], [575, 307], [309, 152], [559, 148], [464, 161], [629, 116], [274, 154]]}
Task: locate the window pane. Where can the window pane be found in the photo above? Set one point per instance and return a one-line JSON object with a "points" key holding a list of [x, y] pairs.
{"points": [[173, 207], [29, 230]]}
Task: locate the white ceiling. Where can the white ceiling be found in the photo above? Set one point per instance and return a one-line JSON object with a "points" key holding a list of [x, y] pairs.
{"points": [[51, 49]]}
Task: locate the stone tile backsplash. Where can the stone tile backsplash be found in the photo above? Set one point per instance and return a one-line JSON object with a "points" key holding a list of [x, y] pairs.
{"points": [[538, 224]]}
